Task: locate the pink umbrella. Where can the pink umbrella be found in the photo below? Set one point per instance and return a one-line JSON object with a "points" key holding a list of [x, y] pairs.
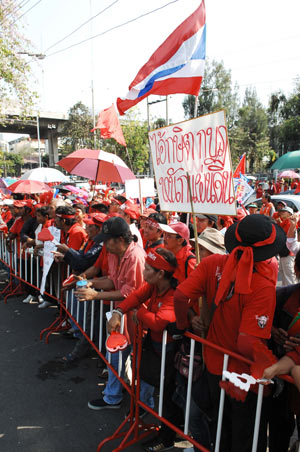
{"points": [[290, 174], [77, 191], [97, 165]]}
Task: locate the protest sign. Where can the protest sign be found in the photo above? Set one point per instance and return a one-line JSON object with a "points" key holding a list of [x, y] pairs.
{"points": [[198, 148], [136, 188], [242, 189], [48, 255]]}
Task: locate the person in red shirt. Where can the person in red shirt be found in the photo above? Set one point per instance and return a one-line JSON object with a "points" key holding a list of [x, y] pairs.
{"points": [[125, 274], [279, 185], [5, 213], [73, 234], [153, 232], [240, 291], [177, 239], [154, 301], [259, 190], [267, 207], [287, 259]]}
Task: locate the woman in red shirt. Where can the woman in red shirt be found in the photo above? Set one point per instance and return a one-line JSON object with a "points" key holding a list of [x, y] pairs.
{"points": [[154, 301]]}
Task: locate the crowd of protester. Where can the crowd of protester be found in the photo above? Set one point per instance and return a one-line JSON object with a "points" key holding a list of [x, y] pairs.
{"points": [[144, 261]]}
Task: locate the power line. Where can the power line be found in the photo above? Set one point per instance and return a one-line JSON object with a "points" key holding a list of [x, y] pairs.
{"points": [[14, 9], [113, 28], [18, 18], [80, 26]]}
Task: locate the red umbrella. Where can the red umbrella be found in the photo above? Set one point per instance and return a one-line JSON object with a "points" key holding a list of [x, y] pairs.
{"points": [[97, 165], [29, 186]]}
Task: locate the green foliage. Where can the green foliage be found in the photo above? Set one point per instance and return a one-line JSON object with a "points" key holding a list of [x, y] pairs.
{"points": [[250, 134], [77, 131], [284, 120], [10, 164], [14, 70], [216, 93]]}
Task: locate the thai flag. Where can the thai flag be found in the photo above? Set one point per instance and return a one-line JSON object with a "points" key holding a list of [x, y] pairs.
{"points": [[177, 66]]}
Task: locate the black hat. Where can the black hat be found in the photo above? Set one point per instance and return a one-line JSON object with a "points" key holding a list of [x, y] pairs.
{"points": [[203, 216], [253, 229], [112, 228]]}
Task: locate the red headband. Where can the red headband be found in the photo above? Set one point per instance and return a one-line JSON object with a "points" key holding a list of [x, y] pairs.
{"points": [[64, 217], [152, 222], [159, 262], [267, 241]]}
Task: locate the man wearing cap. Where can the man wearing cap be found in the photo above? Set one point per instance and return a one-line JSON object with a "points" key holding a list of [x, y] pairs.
{"points": [[125, 273], [241, 286], [176, 239], [280, 205], [22, 214], [80, 260], [205, 221], [252, 208]]}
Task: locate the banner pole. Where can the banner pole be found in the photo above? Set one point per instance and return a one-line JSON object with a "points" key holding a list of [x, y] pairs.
{"points": [[194, 220]]}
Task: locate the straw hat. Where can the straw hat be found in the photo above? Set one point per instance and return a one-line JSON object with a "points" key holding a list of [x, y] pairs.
{"points": [[212, 240]]}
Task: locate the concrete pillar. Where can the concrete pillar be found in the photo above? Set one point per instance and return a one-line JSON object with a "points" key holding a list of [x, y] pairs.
{"points": [[52, 146]]}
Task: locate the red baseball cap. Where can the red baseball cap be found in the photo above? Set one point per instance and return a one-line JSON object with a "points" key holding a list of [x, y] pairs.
{"points": [[96, 218], [176, 228]]}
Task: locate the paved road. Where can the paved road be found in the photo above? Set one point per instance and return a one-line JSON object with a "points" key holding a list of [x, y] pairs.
{"points": [[43, 404]]}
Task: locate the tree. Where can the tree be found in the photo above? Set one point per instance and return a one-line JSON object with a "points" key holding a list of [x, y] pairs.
{"points": [[77, 133], [216, 93], [284, 120], [14, 70], [136, 155], [251, 133], [10, 164]]}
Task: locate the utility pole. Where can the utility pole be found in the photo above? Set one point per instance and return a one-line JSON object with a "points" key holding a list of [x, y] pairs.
{"points": [[39, 141]]}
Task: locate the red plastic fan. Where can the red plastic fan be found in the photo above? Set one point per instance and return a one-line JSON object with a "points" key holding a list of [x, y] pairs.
{"points": [[69, 280], [233, 391], [263, 358], [45, 235], [4, 228], [115, 342]]}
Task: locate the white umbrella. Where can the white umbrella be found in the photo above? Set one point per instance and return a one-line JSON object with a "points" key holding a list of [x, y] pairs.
{"points": [[45, 175]]}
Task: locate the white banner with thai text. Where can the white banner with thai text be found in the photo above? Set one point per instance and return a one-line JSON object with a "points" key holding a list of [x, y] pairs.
{"points": [[200, 148]]}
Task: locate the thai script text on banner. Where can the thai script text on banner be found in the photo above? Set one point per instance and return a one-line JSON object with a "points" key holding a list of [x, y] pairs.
{"points": [[200, 148]]}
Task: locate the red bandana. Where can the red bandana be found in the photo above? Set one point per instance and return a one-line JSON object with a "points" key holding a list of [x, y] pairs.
{"points": [[240, 271], [157, 261]]}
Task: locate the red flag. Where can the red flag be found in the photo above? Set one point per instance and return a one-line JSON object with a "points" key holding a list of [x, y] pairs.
{"points": [[241, 168], [109, 125]]}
